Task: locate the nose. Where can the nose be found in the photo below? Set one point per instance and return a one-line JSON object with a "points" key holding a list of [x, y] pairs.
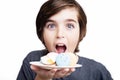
{"points": [[60, 33]]}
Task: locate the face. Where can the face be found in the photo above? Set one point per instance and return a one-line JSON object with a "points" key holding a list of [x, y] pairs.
{"points": [[61, 32]]}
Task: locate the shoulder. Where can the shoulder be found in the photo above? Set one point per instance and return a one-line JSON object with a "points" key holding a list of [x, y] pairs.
{"points": [[95, 68], [90, 63]]}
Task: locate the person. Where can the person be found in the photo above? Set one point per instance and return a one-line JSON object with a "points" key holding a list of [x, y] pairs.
{"points": [[61, 26]]}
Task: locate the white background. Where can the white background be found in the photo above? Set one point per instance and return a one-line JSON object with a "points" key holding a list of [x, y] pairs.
{"points": [[18, 34]]}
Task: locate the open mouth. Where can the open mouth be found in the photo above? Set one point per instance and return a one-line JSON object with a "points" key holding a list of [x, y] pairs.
{"points": [[61, 48]]}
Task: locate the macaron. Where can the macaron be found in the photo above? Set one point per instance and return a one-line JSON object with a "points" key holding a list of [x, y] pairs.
{"points": [[49, 59], [66, 59]]}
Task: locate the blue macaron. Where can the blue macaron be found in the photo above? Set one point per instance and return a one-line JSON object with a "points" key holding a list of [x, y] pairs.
{"points": [[63, 59]]}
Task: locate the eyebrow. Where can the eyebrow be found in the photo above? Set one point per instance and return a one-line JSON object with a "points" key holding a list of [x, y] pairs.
{"points": [[71, 20], [49, 20], [67, 20]]}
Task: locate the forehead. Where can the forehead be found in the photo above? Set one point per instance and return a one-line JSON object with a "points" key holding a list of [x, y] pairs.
{"points": [[66, 14]]}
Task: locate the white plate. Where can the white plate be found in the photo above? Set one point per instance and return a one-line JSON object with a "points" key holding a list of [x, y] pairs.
{"points": [[38, 63]]}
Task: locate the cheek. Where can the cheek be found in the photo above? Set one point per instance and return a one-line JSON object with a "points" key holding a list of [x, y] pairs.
{"points": [[48, 39], [47, 42], [46, 35], [74, 39], [75, 36]]}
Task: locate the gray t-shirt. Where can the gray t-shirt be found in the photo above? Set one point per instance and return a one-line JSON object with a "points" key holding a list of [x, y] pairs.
{"points": [[90, 70]]}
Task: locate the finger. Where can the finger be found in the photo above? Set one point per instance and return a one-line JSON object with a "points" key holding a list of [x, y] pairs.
{"points": [[61, 73], [43, 73], [47, 74], [34, 68], [37, 68], [52, 72], [66, 72], [70, 71]]}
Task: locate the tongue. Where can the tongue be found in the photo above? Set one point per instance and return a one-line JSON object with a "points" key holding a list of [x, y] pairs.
{"points": [[60, 49]]}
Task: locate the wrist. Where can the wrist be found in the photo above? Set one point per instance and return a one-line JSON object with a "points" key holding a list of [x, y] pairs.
{"points": [[39, 78]]}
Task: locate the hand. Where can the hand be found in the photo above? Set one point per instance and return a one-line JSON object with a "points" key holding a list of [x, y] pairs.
{"points": [[45, 74]]}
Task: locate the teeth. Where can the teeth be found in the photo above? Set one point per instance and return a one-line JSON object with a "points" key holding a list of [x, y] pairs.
{"points": [[61, 48], [60, 44]]}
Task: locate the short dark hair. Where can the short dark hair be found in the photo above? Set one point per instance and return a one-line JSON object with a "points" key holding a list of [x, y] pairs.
{"points": [[52, 7]]}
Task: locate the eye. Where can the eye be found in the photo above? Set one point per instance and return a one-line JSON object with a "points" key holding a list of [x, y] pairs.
{"points": [[51, 26], [70, 26]]}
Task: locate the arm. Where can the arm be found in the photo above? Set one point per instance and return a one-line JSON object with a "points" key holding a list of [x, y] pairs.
{"points": [[25, 72], [101, 73], [44, 74]]}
